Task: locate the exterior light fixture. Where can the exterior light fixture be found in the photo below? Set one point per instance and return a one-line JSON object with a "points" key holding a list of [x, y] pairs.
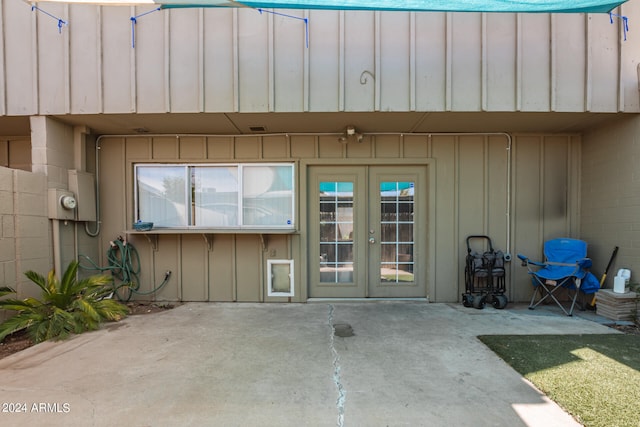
{"points": [[350, 134]]}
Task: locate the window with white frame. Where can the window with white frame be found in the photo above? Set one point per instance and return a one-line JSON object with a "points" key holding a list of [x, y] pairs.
{"points": [[216, 196]]}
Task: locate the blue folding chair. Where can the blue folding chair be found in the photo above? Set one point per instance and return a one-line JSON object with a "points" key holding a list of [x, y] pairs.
{"points": [[566, 266]]}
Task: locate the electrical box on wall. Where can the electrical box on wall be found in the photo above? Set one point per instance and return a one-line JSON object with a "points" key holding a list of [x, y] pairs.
{"points": [[82, 184], [62, 204]]}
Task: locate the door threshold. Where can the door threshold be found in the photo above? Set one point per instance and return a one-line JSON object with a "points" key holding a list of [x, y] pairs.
{"points": [[311, 300]]}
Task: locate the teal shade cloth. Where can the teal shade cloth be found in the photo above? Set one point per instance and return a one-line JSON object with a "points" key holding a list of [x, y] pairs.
{"points": [[513, 6]]}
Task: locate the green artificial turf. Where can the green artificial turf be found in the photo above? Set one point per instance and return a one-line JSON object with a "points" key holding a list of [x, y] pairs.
{"points": [[596, 378]]}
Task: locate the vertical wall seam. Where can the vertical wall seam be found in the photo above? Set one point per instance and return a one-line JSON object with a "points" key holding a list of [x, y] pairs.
{"points": [[236, 62], [271, 85], [99, 60], [3, 70], [412, 61], [511, 235], [484, 78], [133, 72], [201, 61], [306, 74], [234, 270], [553, 71], [588, 79], [152, 257], [288, 147], [541, 166], [66, 54], [485, 185], [341, 60], [179, 266], [289, 251], [264, 255], [377, 101], [519, 59], [577, 206], [34, 64], [448, 98], [234, 148], [207, 248], [128, 179], [568, 187], [620, 83], [167, 62], [209, 260], [456, 206]]}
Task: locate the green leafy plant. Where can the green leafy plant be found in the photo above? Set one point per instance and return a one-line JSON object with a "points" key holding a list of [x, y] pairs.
{"points": [[66, 306]]}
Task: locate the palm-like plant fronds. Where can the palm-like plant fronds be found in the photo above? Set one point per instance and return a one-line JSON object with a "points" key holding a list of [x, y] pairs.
{"points": [[5, 290], [67, 306]]}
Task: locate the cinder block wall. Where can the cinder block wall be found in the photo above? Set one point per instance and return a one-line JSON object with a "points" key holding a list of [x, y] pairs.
{"points": [[610, 212], [24, 229], [53, 155]]}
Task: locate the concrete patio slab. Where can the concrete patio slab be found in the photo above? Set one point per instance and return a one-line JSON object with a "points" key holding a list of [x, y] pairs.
{"points": [[215, 364]]}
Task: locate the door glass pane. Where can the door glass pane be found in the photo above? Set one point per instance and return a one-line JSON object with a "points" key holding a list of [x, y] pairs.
{"points": [[162, 195], [216, 196], [396, 232], [336, 232]]}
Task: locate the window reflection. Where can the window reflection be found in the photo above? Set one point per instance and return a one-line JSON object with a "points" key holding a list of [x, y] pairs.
{"points": [[238, 195], [267, 195], [162, 197], [216, 196]]}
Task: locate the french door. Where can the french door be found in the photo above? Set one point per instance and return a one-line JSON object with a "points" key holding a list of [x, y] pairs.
{"points": [[367, 231]]}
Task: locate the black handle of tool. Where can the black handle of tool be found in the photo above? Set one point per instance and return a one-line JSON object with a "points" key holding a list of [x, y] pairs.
{"points": [[604, 277], [613, 255]]}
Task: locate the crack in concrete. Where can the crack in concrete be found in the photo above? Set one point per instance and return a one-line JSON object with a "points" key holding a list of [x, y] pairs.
{"points": [[336, 371]]}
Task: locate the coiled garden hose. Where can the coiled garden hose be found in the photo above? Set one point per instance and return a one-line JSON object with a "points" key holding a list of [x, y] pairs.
{"points": [[123, 261]]}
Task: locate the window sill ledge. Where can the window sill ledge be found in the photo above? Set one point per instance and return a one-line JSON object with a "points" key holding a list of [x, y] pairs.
{"points": [[209, 233]]}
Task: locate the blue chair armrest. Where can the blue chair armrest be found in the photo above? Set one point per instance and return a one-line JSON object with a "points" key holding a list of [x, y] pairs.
{"points": [[526, 261]]}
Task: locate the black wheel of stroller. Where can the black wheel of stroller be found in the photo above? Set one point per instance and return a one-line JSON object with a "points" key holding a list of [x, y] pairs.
{"points": [[467, 300], [479, 302], [500, 301]]}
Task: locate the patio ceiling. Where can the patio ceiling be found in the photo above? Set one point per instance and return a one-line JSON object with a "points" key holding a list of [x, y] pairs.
{"points": [[366, 122], [374, 122]]}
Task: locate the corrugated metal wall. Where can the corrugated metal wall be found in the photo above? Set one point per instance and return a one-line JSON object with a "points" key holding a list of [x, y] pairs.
{"points": [[210, 60], [469, 196]]}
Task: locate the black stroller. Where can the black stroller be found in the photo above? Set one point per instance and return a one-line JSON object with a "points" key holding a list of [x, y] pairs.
{"points": [[484, 276]]}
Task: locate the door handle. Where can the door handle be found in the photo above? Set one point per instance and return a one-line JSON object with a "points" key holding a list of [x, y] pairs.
{"points": [[372, 240]]}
